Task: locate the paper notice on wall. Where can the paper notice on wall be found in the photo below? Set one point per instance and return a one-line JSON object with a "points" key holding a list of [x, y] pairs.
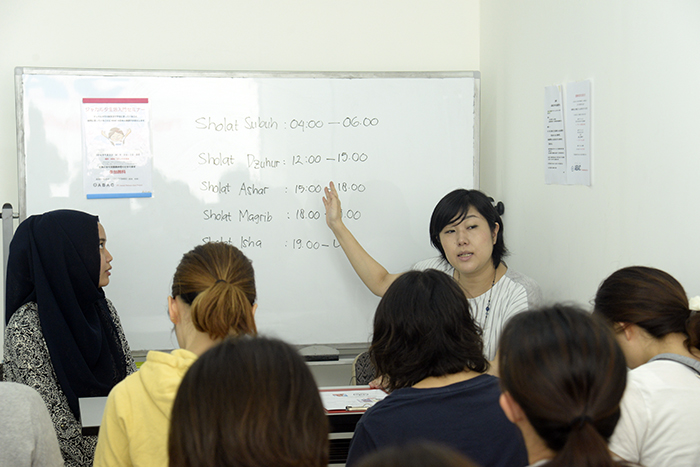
{"points": [[117, 159], [567, 120], [555, 145], [578, 132]]}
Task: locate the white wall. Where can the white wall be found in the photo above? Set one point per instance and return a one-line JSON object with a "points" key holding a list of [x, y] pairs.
{"points": [[644, 62], [271, 35], [641, 55]]}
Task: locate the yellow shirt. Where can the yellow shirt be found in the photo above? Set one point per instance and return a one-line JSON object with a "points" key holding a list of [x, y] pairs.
{"points": [[136, 421]]}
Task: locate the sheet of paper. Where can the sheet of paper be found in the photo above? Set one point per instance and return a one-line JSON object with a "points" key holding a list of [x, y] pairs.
{"points": [[341, 399], [577, 123], [116, 148], [555, 145]]}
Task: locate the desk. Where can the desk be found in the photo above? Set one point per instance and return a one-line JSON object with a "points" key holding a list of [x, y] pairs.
{"points": [[91, 410], [342, 426]]}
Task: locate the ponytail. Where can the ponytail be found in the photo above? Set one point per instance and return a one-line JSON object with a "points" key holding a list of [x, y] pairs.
{"points": [[221, 310], [584, 447], [567, 373], [217, 281]]}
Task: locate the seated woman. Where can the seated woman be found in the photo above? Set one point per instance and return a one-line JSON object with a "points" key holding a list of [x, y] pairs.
{"points": [[27, 436], [467, 231], [63, 337], [660, 337], [563, 376], [213, 296], [430, 349], [249, 402]]}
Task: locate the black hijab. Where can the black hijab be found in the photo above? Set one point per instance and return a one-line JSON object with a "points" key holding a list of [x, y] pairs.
{"points": [[55, 262]]}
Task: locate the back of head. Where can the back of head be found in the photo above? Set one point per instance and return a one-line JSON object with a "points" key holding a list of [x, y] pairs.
{"points": [[217, 281], [416, 454], [248, 402], [650, 298], [423, 328], [453, 207], [566, 371]]}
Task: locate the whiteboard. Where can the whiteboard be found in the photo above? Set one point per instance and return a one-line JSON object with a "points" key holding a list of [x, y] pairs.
{"points": [[243, 158]]}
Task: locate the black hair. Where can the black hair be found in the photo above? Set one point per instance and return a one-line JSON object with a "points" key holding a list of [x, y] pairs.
{"points": [[568, 374], [248, 402], [423, 328], [453, 207], [650, 298]]}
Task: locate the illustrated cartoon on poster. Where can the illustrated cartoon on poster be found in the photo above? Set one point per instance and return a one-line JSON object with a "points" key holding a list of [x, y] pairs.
{"points": [[116, 136], [117, 148]]}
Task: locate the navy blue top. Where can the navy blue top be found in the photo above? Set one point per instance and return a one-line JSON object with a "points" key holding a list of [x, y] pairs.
{"points": [[464, 415]]}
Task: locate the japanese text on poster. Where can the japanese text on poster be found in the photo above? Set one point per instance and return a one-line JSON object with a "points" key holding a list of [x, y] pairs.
{"points": [[116, 148]]}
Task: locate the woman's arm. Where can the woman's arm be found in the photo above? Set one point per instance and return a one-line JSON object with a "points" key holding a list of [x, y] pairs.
{"points": [[373, 274]]}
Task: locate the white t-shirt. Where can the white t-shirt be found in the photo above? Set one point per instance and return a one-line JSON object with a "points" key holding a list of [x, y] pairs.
{"points": [[513, 293], [660, 422]]}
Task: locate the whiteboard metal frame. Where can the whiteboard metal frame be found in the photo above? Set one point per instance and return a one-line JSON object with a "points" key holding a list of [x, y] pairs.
{"points": [[21, 71], [347, 350]]}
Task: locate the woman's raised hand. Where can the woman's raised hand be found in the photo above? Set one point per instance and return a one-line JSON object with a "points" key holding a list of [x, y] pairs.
{"points": [[331, 202], [373, 274]]}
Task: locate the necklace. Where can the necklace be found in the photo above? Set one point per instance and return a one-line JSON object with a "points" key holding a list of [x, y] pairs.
{"points": [[488, 304]]}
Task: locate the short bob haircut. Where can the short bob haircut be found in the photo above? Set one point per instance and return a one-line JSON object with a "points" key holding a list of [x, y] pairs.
{"points": [[650, 298], [423, 328], [566, 371], [453, 207], [249, 401]]}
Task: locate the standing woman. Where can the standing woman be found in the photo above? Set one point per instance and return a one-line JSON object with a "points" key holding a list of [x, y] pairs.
{"points": [[562, 377], [467, 231], [660, 336], [213, 297], [63, 337]]}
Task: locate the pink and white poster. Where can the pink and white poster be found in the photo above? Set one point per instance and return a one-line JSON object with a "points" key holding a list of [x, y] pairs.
{"points": [[117, 158]]}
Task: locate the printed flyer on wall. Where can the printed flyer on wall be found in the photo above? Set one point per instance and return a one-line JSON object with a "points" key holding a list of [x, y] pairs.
{"points": [[567, 126], [117, 159]]}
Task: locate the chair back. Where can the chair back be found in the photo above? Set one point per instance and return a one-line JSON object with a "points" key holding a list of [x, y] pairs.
{"points": [[362, 369]]}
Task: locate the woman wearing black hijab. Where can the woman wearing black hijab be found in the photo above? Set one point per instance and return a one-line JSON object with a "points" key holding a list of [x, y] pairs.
{"points": [[62, 336]]}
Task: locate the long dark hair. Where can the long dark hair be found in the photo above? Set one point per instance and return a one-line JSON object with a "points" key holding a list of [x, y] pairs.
{"points": [[249, 401], [566, 371], [453, 207], [650, 298], [422, 328]]}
